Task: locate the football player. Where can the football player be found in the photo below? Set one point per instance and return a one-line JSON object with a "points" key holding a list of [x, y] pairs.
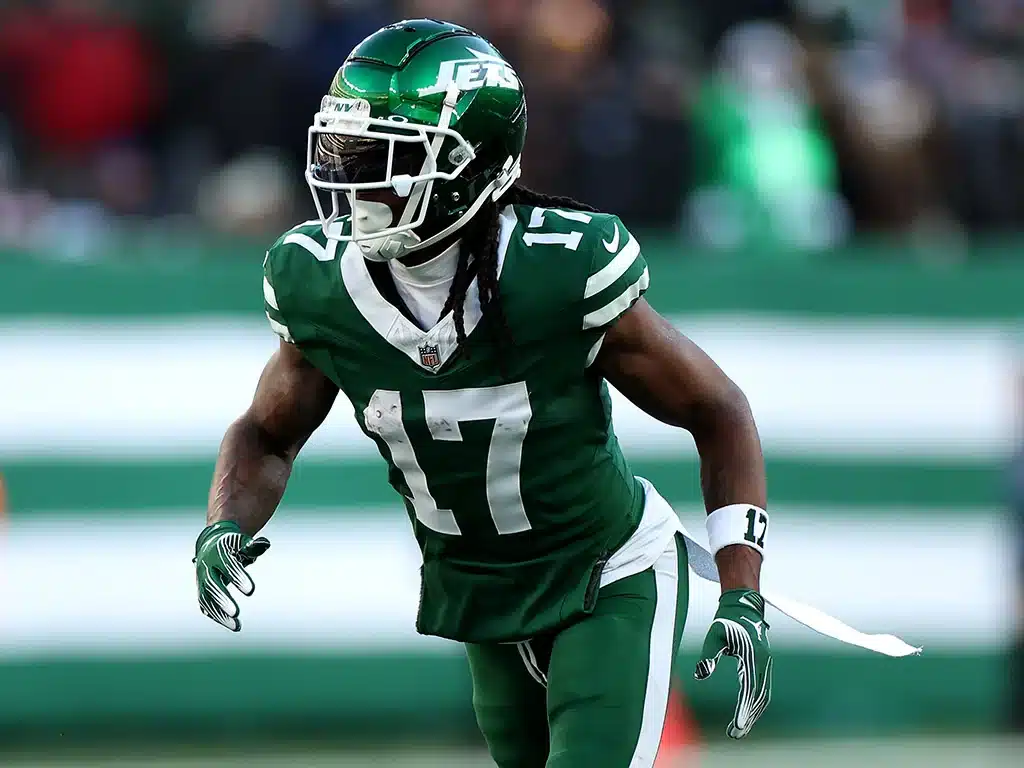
{"points": [[475, 326]]}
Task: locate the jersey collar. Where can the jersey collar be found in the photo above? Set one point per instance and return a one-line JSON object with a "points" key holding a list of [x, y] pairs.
{"points": [[431, 349]]}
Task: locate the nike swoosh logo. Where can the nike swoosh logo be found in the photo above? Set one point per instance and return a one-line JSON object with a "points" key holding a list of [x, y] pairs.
{"points": [[613, 246]]}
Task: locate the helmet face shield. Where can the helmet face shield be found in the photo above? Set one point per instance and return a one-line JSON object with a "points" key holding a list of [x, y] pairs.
{"points": [[344, 160], [348, 152]]}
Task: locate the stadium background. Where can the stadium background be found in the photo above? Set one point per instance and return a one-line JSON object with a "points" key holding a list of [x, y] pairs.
{"points": [[829, 195]]}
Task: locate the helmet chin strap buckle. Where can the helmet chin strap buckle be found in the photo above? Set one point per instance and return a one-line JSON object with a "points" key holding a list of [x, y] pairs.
{"points": [[391, 248], [398, 245]]}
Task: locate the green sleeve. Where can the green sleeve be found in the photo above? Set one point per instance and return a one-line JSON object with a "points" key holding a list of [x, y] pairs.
{"points": [[292, 270], [618, 277], [271, 302]]}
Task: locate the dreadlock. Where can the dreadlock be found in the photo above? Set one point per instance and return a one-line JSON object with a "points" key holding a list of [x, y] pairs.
{"points": [[478, 258]]}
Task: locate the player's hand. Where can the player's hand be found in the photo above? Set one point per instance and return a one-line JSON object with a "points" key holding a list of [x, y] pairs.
{"points": [[223, 553], [739, 630]]}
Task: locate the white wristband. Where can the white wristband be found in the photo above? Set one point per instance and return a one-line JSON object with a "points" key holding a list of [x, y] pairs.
{"points": [[737, 524]]}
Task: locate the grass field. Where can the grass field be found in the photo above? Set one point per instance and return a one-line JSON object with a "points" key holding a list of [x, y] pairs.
{"points": [[984, 752]]}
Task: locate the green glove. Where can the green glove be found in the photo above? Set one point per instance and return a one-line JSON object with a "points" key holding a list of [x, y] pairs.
{"points": [[739, 630], [223, 553]]}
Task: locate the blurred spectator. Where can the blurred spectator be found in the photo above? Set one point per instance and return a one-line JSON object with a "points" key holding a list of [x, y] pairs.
{"points": [[562, 59], [78, 78], [984, 97], [466, 12], [768, 168], [229, 105], [329, 30], [786, 121], [884, 126], [252, 194], [80, 88], [718, 19]]}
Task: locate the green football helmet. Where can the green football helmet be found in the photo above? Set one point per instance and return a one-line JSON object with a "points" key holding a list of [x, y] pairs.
{"points": [[428, 111]]}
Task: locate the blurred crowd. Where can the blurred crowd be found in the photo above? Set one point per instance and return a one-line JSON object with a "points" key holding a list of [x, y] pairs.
{"points": [[798, 122]]}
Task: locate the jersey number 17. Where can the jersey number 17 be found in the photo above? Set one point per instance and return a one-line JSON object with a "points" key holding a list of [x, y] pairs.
{"points": [[508, 405]]}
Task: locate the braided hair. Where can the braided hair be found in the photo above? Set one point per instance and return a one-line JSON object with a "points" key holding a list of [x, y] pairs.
{"points": [[478, 258]]}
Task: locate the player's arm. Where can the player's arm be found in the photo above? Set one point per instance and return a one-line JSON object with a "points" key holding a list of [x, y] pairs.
{"points": [[673, 380], [676, 382], [292, 399]]}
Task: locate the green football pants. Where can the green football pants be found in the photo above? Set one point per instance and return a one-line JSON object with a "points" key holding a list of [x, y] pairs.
{"points": [[592, 695]]}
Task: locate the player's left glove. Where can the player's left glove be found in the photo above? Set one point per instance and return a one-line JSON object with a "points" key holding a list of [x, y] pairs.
{"points": [[739, 630], [223, 553]]}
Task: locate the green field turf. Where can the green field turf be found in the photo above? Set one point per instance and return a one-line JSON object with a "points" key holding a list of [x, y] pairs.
{"points": [[983, 752]]}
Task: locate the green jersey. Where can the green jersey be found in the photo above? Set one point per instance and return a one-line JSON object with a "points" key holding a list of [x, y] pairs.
{"points": [[502, 450]]}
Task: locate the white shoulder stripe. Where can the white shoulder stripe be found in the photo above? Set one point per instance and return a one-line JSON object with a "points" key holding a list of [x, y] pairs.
{"points": [[614, 269], [303, 225], [280, 329], [617, 306], [311, 245], [268, 293]]}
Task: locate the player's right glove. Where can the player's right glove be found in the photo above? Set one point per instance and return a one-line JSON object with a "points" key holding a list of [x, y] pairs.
{"points": [[223, 553]]}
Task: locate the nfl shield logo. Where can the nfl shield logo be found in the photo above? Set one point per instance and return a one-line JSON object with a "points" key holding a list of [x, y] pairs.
{"points": [[430, 356]]}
